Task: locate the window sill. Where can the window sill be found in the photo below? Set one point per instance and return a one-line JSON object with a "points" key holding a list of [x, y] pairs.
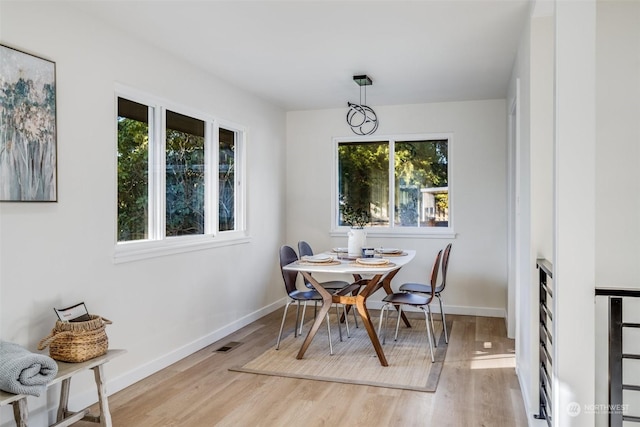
{"points": [[140, 250], [410, 233]]}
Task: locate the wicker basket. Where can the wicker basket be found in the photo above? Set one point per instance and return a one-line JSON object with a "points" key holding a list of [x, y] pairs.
{"points": [[77, 341]]}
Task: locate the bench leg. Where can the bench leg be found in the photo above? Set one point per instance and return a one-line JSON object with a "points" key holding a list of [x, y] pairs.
{"points": [[63, 407], [105, 415], [20, 412]]}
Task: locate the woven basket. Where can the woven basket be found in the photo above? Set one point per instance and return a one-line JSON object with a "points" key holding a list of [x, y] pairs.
{"points": [[77, 341]]}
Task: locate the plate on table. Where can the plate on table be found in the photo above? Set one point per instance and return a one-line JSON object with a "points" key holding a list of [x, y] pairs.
{"points": [[340, 250], [372, 261], [389, 251], [319, 259]]}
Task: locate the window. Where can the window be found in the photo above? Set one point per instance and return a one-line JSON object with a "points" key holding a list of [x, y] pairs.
{"points": [[401, 183], [167, 190]]}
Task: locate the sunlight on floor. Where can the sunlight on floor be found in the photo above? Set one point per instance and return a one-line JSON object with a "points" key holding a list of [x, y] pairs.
{"points": [[484, 360]]}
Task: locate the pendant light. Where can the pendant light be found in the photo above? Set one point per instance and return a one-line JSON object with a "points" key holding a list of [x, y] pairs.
{"points": [[361, 118]]}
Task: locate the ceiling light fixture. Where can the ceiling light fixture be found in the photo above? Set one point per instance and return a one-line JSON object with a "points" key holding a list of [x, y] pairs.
{"points": [[362, 119]]}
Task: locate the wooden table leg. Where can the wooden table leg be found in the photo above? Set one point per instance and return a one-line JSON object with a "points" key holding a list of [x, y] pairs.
{"points": [[357, 278], [63, 407], [21, 412], [327, 301], [373, 336], [105, 415]]}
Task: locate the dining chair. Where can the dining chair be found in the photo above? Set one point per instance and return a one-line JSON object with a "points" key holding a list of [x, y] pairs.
{"points": [[287, 256], [304, 249], [421, 301], [426, 289]]}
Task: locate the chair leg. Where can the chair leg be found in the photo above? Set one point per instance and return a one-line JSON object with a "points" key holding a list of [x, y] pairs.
{"points": [[384, 334], [355, 318], [329, 334], [395, 338], [304, 311], [338, 317], [346, 320], [286, 307], [426, 318], [295, 329], [433, 328], [444, 320]]}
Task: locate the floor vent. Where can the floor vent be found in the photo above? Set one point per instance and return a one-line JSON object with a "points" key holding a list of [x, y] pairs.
{"points": [[228, 347]]}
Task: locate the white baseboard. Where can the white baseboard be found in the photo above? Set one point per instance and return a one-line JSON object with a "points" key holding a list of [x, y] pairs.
{"points": [[532, 422], [137, 374], [453, 309]]}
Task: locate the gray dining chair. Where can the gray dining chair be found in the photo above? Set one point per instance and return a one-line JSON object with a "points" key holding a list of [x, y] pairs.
{"points": [[287, 256], [421, 301], [426, 289]]}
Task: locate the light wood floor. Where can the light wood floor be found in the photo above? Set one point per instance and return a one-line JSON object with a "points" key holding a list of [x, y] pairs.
{"points": [[478, 387]]}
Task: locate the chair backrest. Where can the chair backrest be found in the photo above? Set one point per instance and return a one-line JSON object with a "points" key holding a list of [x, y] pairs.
{"points": [[445, 266], [304, 249], [434, 273], [287, 256]]}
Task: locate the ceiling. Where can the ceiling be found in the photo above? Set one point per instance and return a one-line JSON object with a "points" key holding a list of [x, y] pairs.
{"points": [[303, 54]]}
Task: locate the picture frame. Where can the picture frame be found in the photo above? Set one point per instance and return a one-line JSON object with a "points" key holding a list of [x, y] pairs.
{"points": [[28, 128]]}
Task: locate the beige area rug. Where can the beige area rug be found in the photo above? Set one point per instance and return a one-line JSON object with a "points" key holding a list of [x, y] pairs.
{"points": [[354, 360]]}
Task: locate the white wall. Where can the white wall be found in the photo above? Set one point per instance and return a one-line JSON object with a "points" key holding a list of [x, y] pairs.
{"points": [[524, 262], [541, 97], [618, 143], [534, 68], [56, 254], [617, 179], [477, 274]]}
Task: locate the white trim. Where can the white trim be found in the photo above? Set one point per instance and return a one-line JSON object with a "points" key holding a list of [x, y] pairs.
{"points": [[211, 140], [139, 250], [533, 422], [513, 219], [451, 309], [408, 232]]}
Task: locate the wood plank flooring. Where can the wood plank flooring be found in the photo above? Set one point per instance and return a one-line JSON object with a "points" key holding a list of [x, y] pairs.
{"points": [[478, 387]]}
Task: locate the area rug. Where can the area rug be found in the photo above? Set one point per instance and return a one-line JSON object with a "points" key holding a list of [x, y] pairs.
{"points": [[354, 360]]}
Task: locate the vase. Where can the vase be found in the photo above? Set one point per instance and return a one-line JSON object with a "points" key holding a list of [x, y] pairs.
{"points": [[357, 240]]}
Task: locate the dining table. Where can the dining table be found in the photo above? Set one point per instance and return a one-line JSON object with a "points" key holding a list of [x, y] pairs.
{"points": [[373, 275]]}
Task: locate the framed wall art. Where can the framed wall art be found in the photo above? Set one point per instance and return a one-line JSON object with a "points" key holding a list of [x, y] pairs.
{"points": [[28, 141]]}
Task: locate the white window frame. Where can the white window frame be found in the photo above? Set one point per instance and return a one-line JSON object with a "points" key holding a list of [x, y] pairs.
{"points": [[392, 231], [157, 243]]}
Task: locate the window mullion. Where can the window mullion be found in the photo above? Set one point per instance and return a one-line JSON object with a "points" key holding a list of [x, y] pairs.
{"points": [[240, 176], [157, 197], [211, 187], [392, 183], [152, 149]]}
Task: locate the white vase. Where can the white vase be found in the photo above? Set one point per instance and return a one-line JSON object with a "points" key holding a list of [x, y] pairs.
{"points": [[357, 240]]}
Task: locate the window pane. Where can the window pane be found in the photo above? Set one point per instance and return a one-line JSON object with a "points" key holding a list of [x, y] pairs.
{"points": [[363, 179], [133, 167], [226, 180], [421, 184], [184, 175]]}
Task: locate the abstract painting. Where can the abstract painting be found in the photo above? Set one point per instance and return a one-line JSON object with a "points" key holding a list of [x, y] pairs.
{"points": [[28, 142]]}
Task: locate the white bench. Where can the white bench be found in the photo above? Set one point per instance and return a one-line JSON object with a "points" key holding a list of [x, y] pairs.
{"points": [[65, 372]]}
